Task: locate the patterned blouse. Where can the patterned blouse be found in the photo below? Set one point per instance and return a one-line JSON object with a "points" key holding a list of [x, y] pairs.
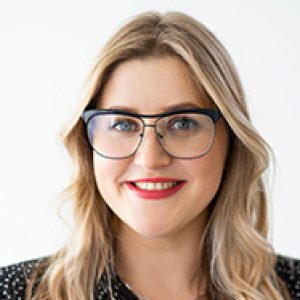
{"points": [[13, 280]]}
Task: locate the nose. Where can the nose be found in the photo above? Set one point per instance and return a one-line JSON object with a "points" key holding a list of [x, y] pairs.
{"points": [[150, 154]]}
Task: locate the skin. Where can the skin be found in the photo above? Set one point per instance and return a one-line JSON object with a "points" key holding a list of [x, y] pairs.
{"points": [[153, 235]]}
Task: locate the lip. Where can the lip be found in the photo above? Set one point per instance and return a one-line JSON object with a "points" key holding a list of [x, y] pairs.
{"points": [[156, 179], [155, 195]]}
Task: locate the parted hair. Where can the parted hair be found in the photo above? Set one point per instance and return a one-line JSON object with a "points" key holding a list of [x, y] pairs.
{"points": [[239, 261]]}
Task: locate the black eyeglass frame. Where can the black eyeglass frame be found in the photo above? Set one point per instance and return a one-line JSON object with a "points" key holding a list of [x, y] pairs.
{"points": [[87, 115]]}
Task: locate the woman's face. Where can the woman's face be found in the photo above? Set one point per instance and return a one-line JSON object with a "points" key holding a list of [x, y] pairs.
{"points": [[151, 86]]}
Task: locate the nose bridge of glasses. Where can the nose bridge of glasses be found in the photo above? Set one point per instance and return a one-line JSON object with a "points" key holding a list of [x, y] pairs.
{"points": [[154, 126]]}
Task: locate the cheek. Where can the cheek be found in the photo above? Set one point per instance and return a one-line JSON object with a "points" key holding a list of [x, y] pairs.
{"points": [[206, 174], [209, 166], [107, 174]]}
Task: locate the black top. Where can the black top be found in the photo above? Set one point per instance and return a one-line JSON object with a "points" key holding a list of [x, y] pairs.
{"points": [[13, 280]]}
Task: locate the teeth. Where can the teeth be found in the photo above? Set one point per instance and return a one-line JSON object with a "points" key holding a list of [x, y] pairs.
{"points": [[155, 185]]}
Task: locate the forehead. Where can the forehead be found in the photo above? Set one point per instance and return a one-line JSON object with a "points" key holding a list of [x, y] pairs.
{"points": [[151, 85]]}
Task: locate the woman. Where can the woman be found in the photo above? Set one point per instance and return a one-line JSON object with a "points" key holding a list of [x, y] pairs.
{"points": [[168, 196]]}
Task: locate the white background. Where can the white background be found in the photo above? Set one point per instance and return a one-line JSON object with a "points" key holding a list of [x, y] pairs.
{"points": [[46, 51]]}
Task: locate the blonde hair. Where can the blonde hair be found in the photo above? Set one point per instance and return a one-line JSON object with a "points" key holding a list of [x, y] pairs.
{"points": [[240, 261]]}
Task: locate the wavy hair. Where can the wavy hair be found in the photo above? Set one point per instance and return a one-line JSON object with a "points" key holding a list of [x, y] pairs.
{"points": [[240, 261]]}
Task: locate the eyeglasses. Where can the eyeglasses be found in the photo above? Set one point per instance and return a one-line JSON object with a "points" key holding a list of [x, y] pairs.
{"points": [[183, 134]]}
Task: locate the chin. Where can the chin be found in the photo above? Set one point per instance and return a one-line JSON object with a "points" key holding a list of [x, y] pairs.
{"points": [[152, 229]]}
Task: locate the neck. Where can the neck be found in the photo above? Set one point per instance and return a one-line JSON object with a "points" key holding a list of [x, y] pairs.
{"points": [[167, 263]]}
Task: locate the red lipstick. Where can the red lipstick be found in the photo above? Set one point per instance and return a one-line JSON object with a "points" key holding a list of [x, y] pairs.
{"points": [[155, 194]]}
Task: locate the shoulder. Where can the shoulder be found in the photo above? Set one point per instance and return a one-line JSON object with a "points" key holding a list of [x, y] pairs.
{"points": [[288, 269], [14, 278]]}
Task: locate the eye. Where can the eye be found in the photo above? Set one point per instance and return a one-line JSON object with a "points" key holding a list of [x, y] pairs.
{"points": [[125, 125], [183, 124]]}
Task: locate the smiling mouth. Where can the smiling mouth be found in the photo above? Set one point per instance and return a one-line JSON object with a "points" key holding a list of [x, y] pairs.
{"points": [[157, 190], [155, 186]]}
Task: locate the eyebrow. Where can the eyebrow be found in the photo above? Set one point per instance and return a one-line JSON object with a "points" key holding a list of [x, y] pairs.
{"points": [[185, 105]]}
